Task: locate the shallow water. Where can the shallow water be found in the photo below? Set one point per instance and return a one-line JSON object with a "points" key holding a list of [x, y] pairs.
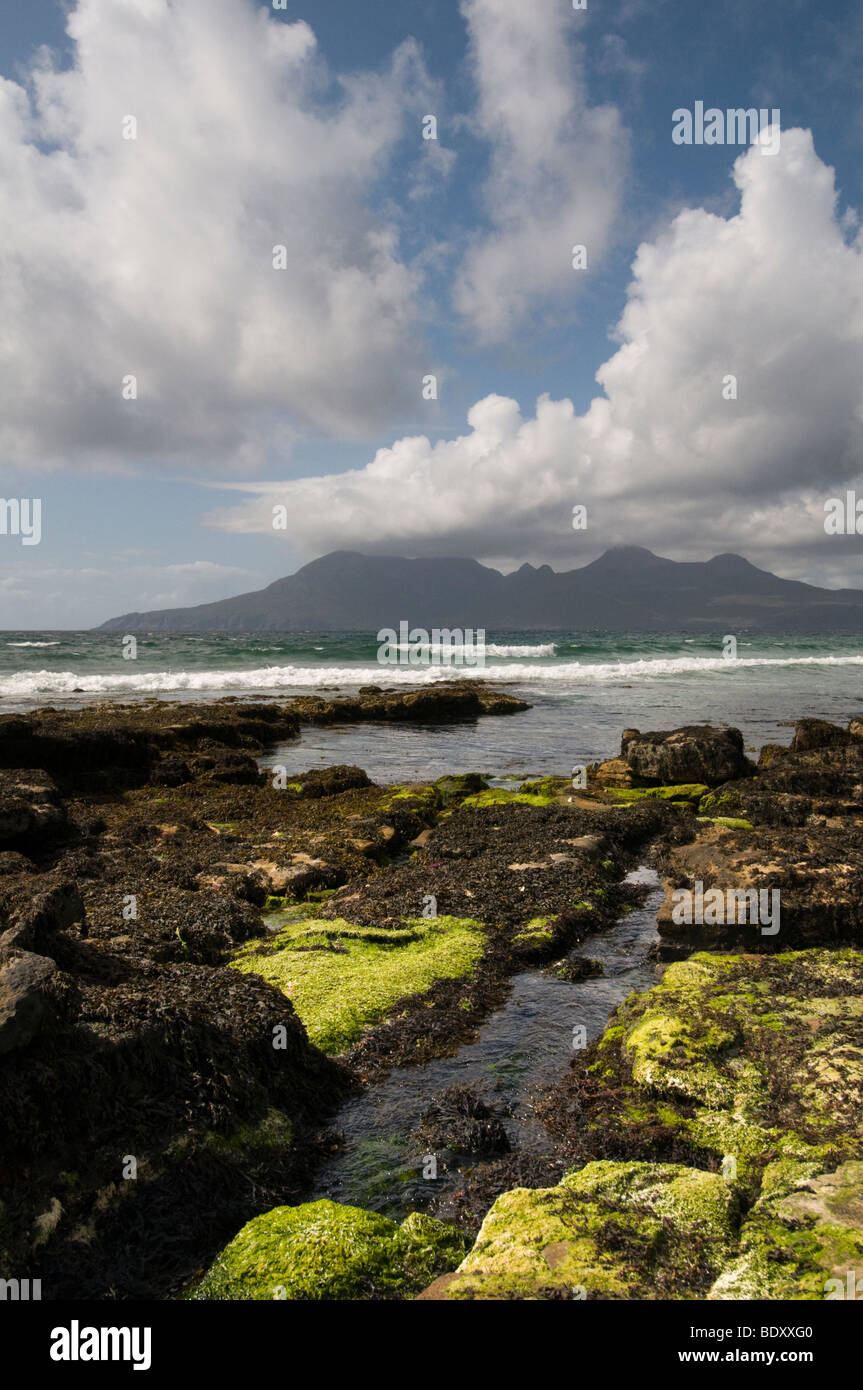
{"points": [[523, 1047], [585, 688]]}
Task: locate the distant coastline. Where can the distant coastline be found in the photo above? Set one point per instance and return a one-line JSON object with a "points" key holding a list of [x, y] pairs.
{"points": [[625, 590]]}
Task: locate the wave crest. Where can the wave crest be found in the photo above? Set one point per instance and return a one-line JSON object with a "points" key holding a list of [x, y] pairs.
{"points": [[25, 684]]}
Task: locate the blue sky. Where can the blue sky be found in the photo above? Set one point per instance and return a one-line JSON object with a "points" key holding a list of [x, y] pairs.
{"points": [[408, 257]]}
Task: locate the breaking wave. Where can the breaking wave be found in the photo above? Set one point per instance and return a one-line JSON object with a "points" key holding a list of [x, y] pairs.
{"points": [[22, 685]]}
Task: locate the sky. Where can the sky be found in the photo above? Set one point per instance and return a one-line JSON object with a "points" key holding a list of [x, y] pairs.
{"points": [[239, 283]]}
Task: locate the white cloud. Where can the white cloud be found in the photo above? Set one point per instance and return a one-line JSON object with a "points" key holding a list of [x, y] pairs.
{"points": [[203, 569], [153, 256], [65, 596], [557, 165], [772, 294]]}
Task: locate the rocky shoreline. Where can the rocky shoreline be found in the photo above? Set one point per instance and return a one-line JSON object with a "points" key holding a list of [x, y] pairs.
{"points": [[200, 961]]}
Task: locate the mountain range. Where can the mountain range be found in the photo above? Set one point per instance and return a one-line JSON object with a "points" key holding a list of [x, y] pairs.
{"points": [[628, 589]]}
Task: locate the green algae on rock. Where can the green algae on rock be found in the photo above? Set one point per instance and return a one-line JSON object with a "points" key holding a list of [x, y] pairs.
{"points": [[325, 1251], [800, 1244], [456, 786], [498, 796], [547, 786], [343, 979], [537, 933], [688, 793], [732, 822], [610, 1231], [273, 1134], [749, 1059], [421, 797], [721, 801]]}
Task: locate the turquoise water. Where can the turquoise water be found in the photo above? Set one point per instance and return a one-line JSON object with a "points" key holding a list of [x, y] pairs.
{"points": [[584, 688]]}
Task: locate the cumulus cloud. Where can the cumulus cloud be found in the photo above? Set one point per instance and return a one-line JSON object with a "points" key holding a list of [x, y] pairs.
{"points": [[557, 165], [153, 256], [772, 295]]}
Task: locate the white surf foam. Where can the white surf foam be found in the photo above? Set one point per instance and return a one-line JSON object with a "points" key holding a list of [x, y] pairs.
{"points": [[574, 673]]}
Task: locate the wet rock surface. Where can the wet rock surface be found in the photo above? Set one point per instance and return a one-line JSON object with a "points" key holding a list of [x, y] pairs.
{"points": [[696, 753], [795, 829], [609, 1231], [30, 809], [23, 1005], [742, 1070]]}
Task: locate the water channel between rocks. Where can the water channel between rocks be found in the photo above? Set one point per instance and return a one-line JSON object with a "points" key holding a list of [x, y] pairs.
{"points": [[523, 1047]]}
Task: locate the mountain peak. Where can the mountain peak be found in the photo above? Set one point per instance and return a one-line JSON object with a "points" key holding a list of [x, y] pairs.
{"points": [[626, 557], [729, 563], [628, 589]]}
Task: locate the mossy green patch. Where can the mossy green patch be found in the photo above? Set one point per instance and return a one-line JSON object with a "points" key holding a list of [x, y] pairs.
{"points": [[610, 1230], [689, 792], [456, 786], [733, 822], [801, 1240], [547, 786], [343, 979], [539, 931], [325, 1251], [718, 802], [422, 797], [757, 1058], [498, 796]]}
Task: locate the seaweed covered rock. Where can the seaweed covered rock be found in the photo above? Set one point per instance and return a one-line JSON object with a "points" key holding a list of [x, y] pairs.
{"points": [[511, 858], [460, 1119], [23, 1003], [176, 1069], [686, 794], [444, 703], [820, 775], [813, 734], [743, 1061], [803, 885], [695, 753], [325, 1251], [344, 978], [455, 787], [33, 908], [802, 1243], [199, 923], [329, 781], [76, 752], [228, 765], [609, 1231], [30, 808], [573, 969]]}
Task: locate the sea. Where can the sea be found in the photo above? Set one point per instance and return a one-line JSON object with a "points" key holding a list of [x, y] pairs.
{"points": [[583, 688]]}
